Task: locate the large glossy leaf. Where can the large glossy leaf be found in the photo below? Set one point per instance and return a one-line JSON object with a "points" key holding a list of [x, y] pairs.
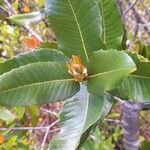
{"points": [[78, 26], [136, 87], [42, 55], [112, 24], [36, 83], [106, 70], [77, 115]]}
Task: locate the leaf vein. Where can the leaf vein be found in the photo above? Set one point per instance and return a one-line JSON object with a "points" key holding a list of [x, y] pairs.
{"points": [[80, 31]]}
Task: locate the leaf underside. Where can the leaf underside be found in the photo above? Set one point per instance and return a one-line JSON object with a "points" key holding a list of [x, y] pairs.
{"points": [[78, 114]]}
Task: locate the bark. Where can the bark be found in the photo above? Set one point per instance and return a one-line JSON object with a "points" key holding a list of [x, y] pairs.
{"points": [[130, 123]]}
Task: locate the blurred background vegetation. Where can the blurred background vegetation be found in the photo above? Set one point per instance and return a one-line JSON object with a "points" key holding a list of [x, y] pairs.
{"points": [[107, 135]]}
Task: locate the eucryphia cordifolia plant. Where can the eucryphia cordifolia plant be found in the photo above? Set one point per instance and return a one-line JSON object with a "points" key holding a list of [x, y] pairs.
{"points": [[88, 71]]}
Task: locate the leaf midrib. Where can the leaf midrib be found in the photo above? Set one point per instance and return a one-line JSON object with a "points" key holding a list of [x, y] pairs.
{"points": [[84, 121], [138, 76], [36, 83], [107, 72], [80, 31], [103, 20]]}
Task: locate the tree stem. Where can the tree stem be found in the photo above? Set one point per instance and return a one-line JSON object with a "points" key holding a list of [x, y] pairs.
{"points": [[130, 122], [130, 125]]}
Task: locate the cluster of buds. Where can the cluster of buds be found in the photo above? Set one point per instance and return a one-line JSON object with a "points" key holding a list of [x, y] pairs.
{"points": [[77, 69]]}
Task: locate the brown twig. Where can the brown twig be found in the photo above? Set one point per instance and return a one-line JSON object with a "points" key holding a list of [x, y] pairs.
{"points": [[46, 128], [138, 17], [46, 134], [29, 128], [112, 121], [48, 111], [130, 7]]}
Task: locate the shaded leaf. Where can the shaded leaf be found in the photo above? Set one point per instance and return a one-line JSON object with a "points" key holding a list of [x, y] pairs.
{"points": [[136, 87], [85, 135], [34, 113], [109, 100], [142, 63], [112, 24]]}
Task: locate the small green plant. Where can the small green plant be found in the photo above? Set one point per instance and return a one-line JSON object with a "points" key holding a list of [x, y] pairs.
{"points": [[89, 30], [99, 140]]}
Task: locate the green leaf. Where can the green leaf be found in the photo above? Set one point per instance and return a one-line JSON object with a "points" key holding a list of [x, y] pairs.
{"points": [[34, 113], [109, 100], [136, 87], [107, 104], [78, 26], [22, 146], [11, 142], [43, 55], [106, 70], [142, 63], [52, 45], [6, 115], [145, 145], [19, 111], [112, 24], [85, 135], [77, 115], [36, 83], [28, 18]]}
